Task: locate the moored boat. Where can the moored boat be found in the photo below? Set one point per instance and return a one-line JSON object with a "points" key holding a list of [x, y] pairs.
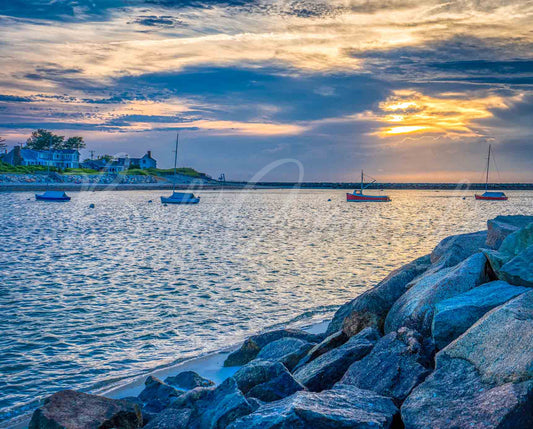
{"points": [[357, 195], [179, 197], [492, 196], [52, 196], [488, 195]]}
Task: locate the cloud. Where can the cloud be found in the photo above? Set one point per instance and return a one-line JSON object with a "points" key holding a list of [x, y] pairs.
{"points": [[349, 81], [455, 114]]}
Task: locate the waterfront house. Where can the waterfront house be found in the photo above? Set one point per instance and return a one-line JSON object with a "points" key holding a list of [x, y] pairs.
{"points": [[143, 163], [59, 158], [118, 165]]}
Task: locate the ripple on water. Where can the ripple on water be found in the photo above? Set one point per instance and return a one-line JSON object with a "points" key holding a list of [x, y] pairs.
{"points": [[88, 297]]}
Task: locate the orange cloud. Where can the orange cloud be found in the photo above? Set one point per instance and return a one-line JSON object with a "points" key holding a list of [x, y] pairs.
{"points": [[407, 112]]}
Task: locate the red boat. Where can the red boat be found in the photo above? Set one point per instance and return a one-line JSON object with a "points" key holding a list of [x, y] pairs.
{"points": [[357, 196], [490, 196]]}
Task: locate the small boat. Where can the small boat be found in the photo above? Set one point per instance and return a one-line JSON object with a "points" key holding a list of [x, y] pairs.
{"points": [[358, 196], [492, 196], [487, 195], [179, 197], [52, 196]]}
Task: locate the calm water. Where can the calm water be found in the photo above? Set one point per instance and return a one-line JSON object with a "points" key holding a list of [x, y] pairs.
{"points": [[90, 295]]}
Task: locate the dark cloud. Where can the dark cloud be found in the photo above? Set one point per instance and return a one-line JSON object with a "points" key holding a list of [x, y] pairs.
{"points": [[15, 99], [248, 93], [163, 21], [460, 60]]}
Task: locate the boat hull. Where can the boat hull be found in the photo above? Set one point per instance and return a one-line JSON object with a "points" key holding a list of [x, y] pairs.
{"points": [[165, 200], [352, 198], [44, 198], [481, 197]]}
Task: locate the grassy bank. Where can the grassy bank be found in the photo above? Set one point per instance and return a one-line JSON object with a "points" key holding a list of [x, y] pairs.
{"points": [[37, 169]]}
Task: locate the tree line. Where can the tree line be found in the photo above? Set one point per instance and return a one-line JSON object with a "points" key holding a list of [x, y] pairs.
{"points": [[45, 140]]}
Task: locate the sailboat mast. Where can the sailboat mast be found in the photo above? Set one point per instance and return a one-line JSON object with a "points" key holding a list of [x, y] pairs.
{"points": [[48, 163], [175, 162], [362, 180], [488, 167]]}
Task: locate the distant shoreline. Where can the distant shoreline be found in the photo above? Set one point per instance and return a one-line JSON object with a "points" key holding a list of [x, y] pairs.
{"points": [[22, 187]]}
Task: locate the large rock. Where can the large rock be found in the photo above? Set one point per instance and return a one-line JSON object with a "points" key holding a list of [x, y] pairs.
{"points": [[398, 362], [370, 308], [501, 226], [267, 381], [323, 372], [500, 344], [513, 245], [157, 395], [69, 409], [455, 397], [332, 342], [455, 315], [414, 309], [519, 270], [288, 351], [253, 345], [340, 407], [171, 418], [456, 248], [212, 408], [188, 380]]}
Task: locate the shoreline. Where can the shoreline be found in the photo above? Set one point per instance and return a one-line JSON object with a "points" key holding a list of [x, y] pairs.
{"points": [[91, 187], [209, 365]]}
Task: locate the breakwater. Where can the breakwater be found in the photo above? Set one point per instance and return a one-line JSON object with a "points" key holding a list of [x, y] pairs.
{"points": [[443, 341]]}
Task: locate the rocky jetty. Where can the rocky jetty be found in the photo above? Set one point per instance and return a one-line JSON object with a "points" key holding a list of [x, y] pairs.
{"points": [[445, 341]]}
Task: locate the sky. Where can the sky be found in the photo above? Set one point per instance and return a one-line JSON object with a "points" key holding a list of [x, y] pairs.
{"points": [[408, 90]]}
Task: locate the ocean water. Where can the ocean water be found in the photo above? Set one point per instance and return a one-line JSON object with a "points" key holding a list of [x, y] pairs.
{"points": [[92, 295]]}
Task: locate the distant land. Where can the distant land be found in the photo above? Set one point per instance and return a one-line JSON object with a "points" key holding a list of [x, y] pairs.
{"points": [[357, 185]]}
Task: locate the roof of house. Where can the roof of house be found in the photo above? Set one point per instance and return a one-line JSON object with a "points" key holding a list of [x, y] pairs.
{"points": [[29, 154]]}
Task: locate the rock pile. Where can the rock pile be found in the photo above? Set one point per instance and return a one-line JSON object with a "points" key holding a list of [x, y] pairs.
{"points": [[445, 341]]}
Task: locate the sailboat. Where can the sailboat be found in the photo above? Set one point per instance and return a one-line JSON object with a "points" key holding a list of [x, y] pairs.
{"points": [[51, 195], [357, 195], [490, 196], [179, 197]]}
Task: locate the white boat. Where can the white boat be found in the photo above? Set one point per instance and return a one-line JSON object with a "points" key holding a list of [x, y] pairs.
{"points": [[179, 197]]}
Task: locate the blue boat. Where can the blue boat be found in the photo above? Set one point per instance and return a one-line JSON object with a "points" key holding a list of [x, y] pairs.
{"points": [[52, 196], [179, 197], [488, 195]]}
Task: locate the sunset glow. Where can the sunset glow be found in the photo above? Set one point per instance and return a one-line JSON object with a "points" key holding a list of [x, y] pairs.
{"points": [[272, 79]]}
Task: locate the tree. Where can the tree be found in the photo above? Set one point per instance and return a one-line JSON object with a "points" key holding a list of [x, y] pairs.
{"points": [[74, 143], [106, 158], [44, 139]]}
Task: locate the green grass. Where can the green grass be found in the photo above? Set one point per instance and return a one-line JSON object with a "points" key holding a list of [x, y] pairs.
{"points": [[186, 171], [23, 169], [30, 169], [135, 172], [80, 171]]}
